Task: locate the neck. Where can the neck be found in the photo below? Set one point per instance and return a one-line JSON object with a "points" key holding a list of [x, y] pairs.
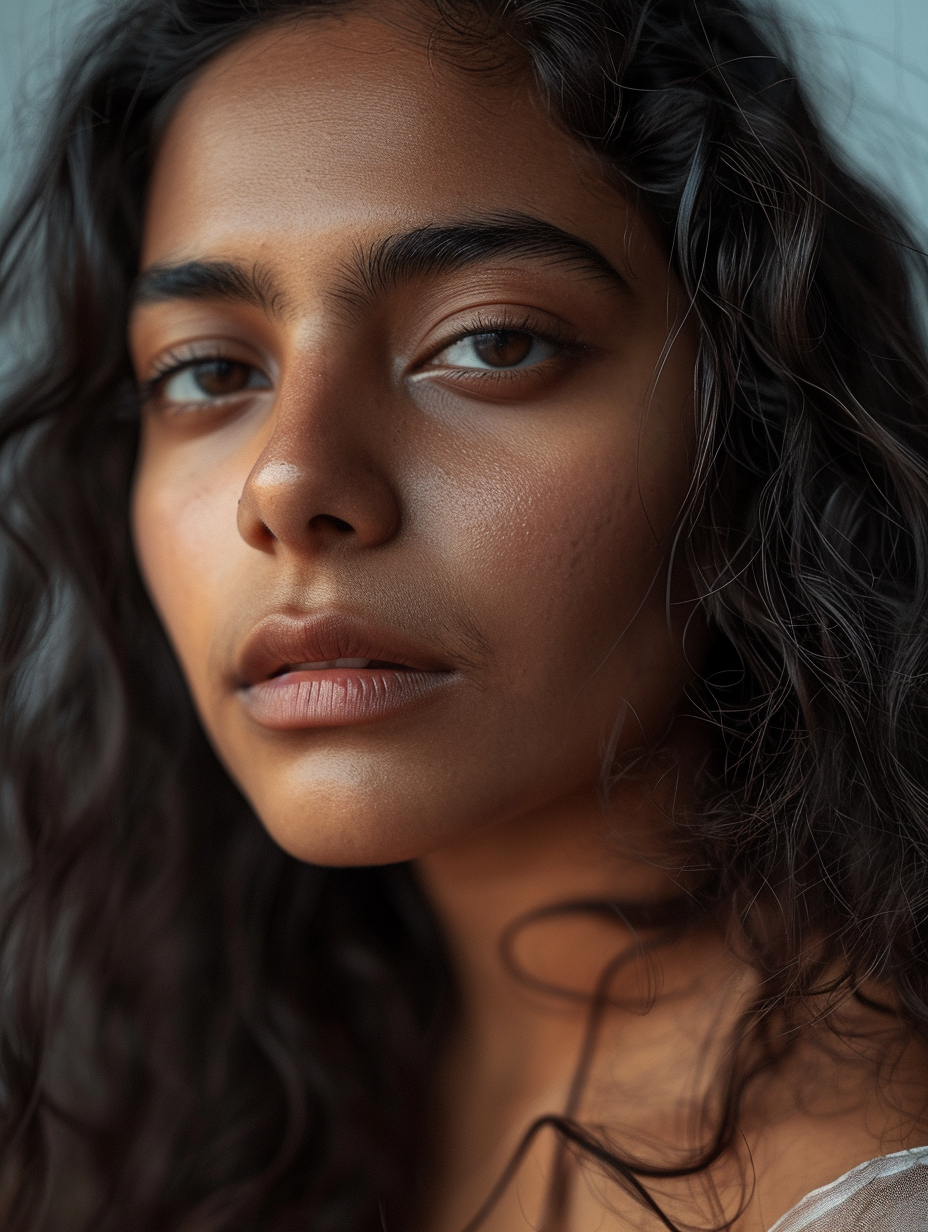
{"points": [[495, 891], [528, 1033]]}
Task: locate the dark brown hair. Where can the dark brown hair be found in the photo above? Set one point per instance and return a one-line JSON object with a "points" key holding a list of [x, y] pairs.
{"points": [[198, 1033]]}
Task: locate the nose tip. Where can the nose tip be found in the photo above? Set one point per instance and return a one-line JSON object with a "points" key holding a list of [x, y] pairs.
{"points": [[316, 500]]}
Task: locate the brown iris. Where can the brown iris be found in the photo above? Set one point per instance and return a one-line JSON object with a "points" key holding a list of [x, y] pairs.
{"points": [[221, 377], [502, 348]]}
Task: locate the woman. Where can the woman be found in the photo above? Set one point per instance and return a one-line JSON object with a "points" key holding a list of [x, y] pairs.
{"points": [[486, 442]]}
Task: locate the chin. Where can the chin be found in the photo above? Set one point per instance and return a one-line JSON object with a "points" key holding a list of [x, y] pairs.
{"points": [[340, 837], [338, 823]]}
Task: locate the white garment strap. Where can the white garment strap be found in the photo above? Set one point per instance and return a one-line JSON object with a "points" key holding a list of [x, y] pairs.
{"points": [[889, 1194]]}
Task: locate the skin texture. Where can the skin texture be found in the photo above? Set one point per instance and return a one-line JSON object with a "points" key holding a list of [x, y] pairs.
{"points": [[517, 528], [513, 527]]}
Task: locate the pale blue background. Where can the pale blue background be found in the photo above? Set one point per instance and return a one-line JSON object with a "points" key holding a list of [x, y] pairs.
{"points": [[866, 59]]}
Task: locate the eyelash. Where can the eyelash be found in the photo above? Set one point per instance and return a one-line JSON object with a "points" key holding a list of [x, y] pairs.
{"points": [[172, 362], [480, 323]]}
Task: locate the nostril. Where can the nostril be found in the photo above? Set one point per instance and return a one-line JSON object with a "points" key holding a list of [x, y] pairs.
{"points": [[322, 520]]}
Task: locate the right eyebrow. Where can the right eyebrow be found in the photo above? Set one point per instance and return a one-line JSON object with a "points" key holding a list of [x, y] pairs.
{"points": [[443, 248], [196, 280]]}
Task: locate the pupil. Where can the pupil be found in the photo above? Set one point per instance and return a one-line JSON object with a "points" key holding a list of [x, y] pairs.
{"points": [[503, 348], [221, 376]]}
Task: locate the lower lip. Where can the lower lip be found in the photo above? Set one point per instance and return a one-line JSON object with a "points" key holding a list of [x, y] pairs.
{"points": [[338, 697]]}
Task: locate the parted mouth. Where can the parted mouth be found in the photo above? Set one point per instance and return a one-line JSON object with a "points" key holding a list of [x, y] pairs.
{"points": [[282, 644]]}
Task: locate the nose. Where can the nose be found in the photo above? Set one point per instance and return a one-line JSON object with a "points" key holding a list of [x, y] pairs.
{"points": [[321, 478]]}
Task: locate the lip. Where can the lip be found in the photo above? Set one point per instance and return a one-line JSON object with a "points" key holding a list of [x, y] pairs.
{"points": [[279, 691]]}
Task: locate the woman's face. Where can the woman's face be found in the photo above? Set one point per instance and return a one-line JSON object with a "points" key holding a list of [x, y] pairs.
{"points": [[418, 431]]}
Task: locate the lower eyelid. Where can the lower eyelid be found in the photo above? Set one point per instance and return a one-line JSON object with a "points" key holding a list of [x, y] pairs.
{"points": [[525, 379]]}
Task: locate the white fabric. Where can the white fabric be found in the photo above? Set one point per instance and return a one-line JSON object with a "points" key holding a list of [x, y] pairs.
{"points": [[883, 1195]]}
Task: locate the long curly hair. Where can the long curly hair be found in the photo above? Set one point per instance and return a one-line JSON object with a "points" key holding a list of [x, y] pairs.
{"points": [[197, 1032]]}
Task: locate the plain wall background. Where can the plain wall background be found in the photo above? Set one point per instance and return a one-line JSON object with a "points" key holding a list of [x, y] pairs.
{"points": [[866, 60]]}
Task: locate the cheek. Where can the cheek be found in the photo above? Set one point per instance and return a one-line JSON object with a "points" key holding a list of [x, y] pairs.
{"points": [[186, 541], [550, 555], [563, 543]]}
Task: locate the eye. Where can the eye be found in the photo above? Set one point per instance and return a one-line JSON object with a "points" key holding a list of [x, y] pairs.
{"points": [[208, 379], [495, 349]]}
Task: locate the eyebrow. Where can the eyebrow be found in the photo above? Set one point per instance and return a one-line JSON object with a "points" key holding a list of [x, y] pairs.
{"points": [[439, 249], [395, 261], [196, 280]]}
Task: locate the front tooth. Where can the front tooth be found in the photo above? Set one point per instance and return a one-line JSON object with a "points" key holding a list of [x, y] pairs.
{"points": [[352, 662]]}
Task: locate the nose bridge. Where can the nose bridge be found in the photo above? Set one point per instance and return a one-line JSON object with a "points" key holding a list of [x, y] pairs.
{"points": [[321, 474]]}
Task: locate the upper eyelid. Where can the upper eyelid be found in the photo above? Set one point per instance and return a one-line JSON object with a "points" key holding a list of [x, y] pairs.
{"points": [[468, 368], [176, 359], [241, 346], [562, 337]]}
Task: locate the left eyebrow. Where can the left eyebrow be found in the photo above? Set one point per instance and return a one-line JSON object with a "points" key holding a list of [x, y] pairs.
{"points": [[198, 280], [439, 249]]}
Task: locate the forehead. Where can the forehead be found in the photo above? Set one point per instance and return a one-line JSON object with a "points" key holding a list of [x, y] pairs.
{"points": [[351, 126]]}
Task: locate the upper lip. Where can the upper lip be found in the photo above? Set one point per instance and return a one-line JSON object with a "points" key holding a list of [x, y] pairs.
{"points": [[283, 640]]}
